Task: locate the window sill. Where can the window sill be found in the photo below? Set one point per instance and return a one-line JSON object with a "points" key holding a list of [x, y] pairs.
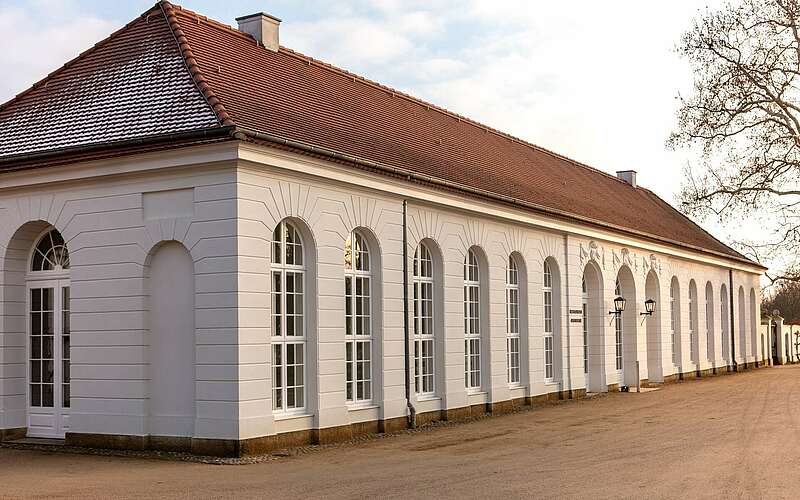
{"points": [[370, 406], [516, 387], [477, 393], [429, 397], [477, 397], [552, 382], [291, 416]]}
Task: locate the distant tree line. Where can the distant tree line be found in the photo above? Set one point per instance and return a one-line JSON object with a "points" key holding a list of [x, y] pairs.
{"points": [[785, 297]]}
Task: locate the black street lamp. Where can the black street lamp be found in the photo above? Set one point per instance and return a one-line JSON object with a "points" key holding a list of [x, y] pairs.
{"points": [[649, 307], [619, 306]]}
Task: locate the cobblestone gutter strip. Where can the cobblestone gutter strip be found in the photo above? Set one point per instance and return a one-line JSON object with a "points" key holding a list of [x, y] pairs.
{"points": [[278, 455]]}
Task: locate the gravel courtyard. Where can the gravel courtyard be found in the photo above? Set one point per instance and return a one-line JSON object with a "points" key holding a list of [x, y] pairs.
{"points": [[730, 436]]}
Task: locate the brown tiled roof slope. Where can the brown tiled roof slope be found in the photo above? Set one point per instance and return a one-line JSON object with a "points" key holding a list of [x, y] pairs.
{"points": [[236, 82], [295, 97], [132, 85]]}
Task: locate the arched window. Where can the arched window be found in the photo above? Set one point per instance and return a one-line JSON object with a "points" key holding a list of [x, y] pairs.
{"points": [[288, 319], [423, 321], [674, 319], [585, 324], [50, 253], [725, 316], [512, 322], [549, 350], [742, 332], [618, 332], [48, 371], [710, 322], [358, 319], [754, 325], [472, 322], [693, 321]]}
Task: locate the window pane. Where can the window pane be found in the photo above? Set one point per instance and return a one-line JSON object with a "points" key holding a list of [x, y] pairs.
{"points": [[47, 395], [50, 252]]}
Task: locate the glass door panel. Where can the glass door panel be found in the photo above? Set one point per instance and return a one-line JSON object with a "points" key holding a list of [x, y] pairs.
{"points": [[65, 347], [42, 369], [49, 358]]}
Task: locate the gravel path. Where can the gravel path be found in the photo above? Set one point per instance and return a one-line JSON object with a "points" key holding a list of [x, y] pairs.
{"points": [[731, 436]]}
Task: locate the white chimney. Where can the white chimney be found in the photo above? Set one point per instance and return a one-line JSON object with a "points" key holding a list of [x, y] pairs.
{"points": [[628, 176], [263, 27]]}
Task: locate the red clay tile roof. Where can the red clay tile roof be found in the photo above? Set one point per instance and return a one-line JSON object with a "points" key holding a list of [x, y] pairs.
{"points": [[227, 79]]}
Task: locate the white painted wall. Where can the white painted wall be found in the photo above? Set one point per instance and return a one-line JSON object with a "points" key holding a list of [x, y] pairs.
{"points": [[172, 341], [222, 203]]}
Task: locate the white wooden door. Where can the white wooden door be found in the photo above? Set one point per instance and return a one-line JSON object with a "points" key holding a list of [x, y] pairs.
{"points": [[48, 358]]}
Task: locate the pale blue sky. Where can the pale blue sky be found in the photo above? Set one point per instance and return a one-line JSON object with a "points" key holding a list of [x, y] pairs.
{"points": [[595, 81]]}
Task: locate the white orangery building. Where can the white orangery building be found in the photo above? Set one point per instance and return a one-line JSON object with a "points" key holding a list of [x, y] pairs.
{"points": [[212, 242]]}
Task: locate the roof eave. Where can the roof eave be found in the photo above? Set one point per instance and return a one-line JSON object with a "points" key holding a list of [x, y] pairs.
{"points": [[240, 132], [21, 161]]}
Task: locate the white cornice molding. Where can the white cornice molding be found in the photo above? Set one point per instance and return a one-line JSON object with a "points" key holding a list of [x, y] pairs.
{"points": [[122, 165], [257, 155]]}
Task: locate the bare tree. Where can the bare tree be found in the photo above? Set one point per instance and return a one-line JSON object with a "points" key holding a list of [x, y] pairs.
{"points": [[744, 118], [785, 299]]}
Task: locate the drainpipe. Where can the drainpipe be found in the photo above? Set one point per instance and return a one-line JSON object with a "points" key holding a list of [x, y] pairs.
{"points": [[412, 412], [733, 325]]}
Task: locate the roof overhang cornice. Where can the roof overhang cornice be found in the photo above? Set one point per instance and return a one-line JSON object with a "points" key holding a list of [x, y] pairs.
{"points": [[87, 153], [243, 133], [64, 155]]}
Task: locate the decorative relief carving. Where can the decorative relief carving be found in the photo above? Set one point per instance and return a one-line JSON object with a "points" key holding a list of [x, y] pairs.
{"points": [[624, 258], [594, 252], [651, 263]]}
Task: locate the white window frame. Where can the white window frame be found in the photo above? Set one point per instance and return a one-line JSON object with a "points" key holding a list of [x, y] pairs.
{"points": [[619, 331], [55, 257], [424, 323], [359, 326], [549, 326], [49, 269], [513, 355], [673, 321], [724, 324], [585, 324], [282, 343], [472, 322], [710, 323], [693, 324]]}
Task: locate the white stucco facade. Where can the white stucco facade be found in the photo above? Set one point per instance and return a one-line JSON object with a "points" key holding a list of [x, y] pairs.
{"points": [[123, 219]]}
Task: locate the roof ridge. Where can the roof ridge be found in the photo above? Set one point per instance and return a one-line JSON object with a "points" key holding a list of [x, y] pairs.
{"points": [[191, 64], [74, 60], [212, 22], [397, 93]]}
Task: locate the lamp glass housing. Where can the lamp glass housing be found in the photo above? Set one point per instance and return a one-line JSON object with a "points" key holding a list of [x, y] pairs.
{"points": [[649, 306], [619, 304]]}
